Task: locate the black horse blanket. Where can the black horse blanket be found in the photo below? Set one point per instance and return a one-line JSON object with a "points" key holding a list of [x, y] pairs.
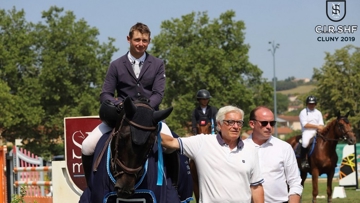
{"points": [[102, 186]]}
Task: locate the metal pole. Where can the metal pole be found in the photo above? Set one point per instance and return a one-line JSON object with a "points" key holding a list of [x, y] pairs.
{"points": [[274, 47]]}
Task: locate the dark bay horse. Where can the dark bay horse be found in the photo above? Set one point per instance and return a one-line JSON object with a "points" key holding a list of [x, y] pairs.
{"points": [[202, 129], [129, 165], [322, 155]]}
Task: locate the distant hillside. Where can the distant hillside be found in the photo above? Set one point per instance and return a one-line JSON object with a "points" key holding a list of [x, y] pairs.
{"points": [[303, 89]]}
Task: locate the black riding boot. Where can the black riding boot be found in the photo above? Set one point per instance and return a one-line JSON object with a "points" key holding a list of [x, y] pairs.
{"points": [[304, 162], [87, 162]]}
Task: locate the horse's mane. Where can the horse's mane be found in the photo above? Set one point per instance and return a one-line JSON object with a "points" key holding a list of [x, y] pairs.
{"points": [[142, 100], [328, 127]]}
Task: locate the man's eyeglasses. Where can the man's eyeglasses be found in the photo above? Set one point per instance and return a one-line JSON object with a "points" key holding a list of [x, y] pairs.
{"points": [[265, 123], [240, 123]]}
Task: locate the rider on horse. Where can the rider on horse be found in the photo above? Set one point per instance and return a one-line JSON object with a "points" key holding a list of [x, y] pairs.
{"points": [[130, 164], [204, 113], [124, 78], [311, 121]]}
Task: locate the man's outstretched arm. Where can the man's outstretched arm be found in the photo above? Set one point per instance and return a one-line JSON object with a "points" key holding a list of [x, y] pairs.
{"points": [[169, 142]]}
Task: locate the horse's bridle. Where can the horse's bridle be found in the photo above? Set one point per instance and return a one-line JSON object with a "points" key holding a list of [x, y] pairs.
{"points": [[341, 129], [345, 133], [116, 159]]}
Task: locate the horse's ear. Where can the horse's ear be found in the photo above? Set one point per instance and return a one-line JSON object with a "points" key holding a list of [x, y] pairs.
{"points": [[161, 115], [129, 107], [338, 114], [352, 112], [347, 114]]}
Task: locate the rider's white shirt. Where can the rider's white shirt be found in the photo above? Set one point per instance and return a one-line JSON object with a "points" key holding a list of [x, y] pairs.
{"points": [[312, 117]]}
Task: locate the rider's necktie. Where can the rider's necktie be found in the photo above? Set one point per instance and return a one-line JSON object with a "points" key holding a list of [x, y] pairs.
{"points": [[137, 68]]}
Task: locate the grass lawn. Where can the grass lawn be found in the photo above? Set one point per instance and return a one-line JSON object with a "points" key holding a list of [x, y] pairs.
{"points": [[303, 89], [352, 196]]}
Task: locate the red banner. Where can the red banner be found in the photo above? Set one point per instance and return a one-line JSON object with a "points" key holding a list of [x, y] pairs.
{"points": [[76, 130]]}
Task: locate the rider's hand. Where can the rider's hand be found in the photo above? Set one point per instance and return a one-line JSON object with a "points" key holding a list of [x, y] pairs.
{"points": [[320, 127], [194, 131]]}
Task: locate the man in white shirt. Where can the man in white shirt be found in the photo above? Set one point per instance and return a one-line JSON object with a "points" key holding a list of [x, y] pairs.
{"points": [[277, 159], [311, 120], [228, 170]]}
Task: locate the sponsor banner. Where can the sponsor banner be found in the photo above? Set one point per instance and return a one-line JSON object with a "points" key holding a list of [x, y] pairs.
{"points": [[76, 130], [347, 174]]}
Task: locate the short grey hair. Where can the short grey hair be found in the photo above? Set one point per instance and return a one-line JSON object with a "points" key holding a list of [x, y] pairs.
{"points": [[224, 110]]}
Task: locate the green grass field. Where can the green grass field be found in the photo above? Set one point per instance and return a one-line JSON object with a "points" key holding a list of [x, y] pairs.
{"points": [[303, 89], [352, 196]]}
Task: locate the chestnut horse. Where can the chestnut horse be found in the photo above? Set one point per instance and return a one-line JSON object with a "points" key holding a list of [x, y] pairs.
{"points": [[322, 156]]}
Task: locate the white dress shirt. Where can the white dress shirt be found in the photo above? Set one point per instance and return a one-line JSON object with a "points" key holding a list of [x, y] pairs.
{"points": [[312, 117], [137, 63], [279, 169]]}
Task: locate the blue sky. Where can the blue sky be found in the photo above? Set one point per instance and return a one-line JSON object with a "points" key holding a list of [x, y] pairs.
{"points": [[289, 23]]}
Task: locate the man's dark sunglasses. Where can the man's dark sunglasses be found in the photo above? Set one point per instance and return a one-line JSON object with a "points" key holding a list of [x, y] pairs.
{"points": [[265, 123]]}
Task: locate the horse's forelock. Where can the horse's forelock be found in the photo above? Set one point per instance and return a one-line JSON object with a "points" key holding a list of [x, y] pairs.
{"points": [[143, 116]]}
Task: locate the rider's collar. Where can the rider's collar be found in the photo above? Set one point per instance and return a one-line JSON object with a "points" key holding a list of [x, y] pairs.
{"points": [[268, 141], [309, 110], [132, 59]]}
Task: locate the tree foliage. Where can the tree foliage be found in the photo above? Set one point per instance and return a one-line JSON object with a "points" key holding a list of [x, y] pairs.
{"points": [[338, 83], [53, 69], [207, 54], [285, 85], [282, 103]]}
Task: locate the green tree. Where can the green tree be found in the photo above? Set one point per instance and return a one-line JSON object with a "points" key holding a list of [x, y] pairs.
{"points": [[338, 83], [282, 103], [285, 85], [7, 107], [65, 68], [16, 52], [17, 68], [207, 54], [289, 79]]}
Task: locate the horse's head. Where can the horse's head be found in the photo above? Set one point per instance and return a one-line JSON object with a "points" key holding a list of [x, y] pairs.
{"points": [[344, 129], [134, 138]]}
